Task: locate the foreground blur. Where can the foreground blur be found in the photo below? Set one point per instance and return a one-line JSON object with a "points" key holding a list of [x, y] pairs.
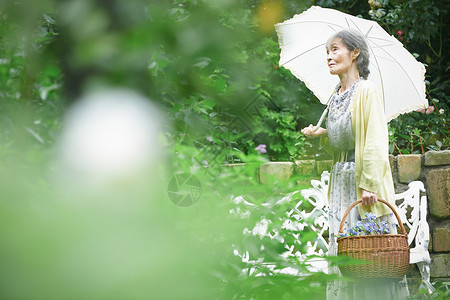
{"points": [[94, 221]]}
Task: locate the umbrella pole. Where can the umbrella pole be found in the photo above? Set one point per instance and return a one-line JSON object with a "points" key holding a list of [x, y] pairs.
{"points": [[321, 119]]}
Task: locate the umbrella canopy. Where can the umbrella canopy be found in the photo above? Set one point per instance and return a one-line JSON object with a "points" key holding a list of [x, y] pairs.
{"points": [[400, 78]]}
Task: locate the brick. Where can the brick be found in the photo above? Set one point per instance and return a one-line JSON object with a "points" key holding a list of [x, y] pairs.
{"points": [[324, 165], [276, 170], [441, 239], [409, 167], [440, 265], [438, 188], [437, 158], [305, 167], [430, 244], [306, 182]]}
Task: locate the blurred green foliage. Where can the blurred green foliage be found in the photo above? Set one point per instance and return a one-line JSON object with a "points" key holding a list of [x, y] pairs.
{"points": [[212, 67]]}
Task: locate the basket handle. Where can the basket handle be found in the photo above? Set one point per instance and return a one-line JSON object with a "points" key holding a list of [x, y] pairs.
{"points": [[341, 227]]}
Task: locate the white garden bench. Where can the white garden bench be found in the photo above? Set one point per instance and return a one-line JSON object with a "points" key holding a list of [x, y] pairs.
{"points": [[412, 209]]}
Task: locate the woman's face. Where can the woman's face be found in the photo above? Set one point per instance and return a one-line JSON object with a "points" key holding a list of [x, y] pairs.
{"points": [[340, 59]]}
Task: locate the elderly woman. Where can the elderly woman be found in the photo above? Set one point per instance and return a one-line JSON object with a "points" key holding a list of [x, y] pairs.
{"points": [[357, 137]]}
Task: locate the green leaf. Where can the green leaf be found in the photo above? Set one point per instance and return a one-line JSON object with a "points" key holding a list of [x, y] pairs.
{"points": [[220, 84], [52, 71], [209, 103]]}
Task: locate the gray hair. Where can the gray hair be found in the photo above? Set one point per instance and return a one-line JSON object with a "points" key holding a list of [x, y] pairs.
{"points": [[353, 39]]}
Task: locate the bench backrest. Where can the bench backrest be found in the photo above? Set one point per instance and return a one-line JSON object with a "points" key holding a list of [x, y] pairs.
{"points": [[411, 207]]}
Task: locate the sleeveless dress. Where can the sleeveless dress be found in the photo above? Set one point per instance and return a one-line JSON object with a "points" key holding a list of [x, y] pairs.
{"points": [[342, 194]]}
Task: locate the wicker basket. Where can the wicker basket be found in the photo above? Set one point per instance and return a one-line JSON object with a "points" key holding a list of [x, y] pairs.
{"points": [[387, 254]]}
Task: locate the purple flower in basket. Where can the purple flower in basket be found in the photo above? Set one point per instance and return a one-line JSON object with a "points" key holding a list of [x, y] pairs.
{"points": [[368, 226], [385, 227], [377, 229], [352, 232], [371, 216], [358, 227]]}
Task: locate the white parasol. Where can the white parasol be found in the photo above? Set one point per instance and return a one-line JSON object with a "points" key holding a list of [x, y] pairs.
{"points": [[400, 78]]}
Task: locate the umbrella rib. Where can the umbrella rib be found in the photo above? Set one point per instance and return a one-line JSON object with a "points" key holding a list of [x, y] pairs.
{"points": [[378, 65], [368, 31], [332, 27], [381, 46], [297, 56], [401, 67], [380, 39], [385, 58], [357, 27], [381, 79]]}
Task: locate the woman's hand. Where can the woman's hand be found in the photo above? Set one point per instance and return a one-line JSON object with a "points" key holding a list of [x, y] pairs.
{"points": [[368, 197], [309, 131]]}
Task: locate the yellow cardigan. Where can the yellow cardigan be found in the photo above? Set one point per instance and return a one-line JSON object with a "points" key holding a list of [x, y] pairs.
{"points": [[372, 169]]}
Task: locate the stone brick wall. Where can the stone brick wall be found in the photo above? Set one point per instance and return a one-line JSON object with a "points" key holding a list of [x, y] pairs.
{"points": [[433, 169]]}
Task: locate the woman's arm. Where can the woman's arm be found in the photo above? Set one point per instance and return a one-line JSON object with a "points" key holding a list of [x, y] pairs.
{"points": [[309, 131], [375, 148]]}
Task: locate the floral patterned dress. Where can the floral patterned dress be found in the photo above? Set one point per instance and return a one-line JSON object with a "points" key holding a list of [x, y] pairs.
{"points": [[342, 194]]}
